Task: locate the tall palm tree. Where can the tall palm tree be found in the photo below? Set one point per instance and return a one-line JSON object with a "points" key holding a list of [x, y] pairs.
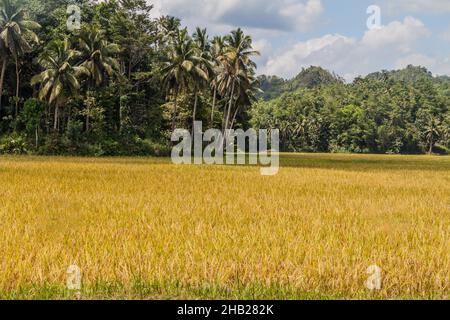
{"points": [[247, 95], [181, 68], [237, 69], [59, 81], [203, 66], [98, 55], [16, 32], [217, 51], [97, 58], [170, 27], [4, 58]]}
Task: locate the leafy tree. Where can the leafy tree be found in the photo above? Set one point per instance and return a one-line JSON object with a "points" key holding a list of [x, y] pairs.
{"points": [[182, 68], [16, 31], [237, 69], [98, 59], [203, 66], [32, 113], [59, 81]]}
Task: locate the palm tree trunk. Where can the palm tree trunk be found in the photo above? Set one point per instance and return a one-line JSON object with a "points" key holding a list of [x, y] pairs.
{"points": [[431, 147], [55, 127], [174, 116], [17, 86], [129, 69], [213, 106], [120, 117], [87, 118], [37, 136], [234, 118], [227, 121], [194, 113], [2, 80]]}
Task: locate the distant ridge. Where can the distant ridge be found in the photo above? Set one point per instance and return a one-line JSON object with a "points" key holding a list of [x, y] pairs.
{"points": [[316, 77], [312, 77]]}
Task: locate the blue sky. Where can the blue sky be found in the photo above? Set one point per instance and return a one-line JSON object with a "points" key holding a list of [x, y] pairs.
{"points": [[292, 34]]}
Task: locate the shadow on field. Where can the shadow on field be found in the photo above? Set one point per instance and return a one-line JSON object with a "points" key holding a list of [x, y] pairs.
{"points": [[366, 162], [349, 162]]}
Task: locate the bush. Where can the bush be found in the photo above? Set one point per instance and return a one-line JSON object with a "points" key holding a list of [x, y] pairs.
{"points": [[54, 145], [159, 149], [13, 144]]}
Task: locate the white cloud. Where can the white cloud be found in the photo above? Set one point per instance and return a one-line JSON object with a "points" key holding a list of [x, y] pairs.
{"points": [[415, 59], [282, 15], [399, 34], [377, 49], [319, 51], [437, 66], [274, 22]]}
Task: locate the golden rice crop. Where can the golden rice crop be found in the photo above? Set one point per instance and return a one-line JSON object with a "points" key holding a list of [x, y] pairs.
{"points": [[145, 228]]}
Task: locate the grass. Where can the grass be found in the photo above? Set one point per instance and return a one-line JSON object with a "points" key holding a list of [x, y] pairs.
{"points": [[142, 228]]}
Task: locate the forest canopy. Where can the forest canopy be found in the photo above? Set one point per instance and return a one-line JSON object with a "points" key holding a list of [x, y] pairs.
{"points": [[123, 81]]}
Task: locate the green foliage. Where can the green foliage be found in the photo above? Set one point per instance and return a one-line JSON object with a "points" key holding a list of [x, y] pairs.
{"points": [[403, 111], [124, 81], [32, 113], [13, 144], [312, 77]]}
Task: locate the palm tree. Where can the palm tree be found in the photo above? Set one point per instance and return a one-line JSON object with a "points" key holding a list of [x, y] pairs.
{"points": [[432, 133], [98, 55], [98, 58], [181, 68], [247, 96], [4, 58], [237, 69], [217, 51], [203, 67], [59, 81], [16, 32], [169, 29]]}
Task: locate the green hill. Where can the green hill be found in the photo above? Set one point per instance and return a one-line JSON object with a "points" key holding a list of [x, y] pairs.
{"points": [[312, 77], [409, 74]]}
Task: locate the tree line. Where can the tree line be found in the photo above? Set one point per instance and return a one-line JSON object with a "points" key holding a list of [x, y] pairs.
{"points": [[396, 112], [120, 84], [123, 81]]}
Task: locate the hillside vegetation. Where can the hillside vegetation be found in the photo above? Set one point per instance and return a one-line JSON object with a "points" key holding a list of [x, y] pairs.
{"points": [[123, 81], [403, 111]]}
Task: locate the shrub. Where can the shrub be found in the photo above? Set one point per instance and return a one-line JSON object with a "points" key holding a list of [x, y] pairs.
{"points": [[13, 144], [54, 145]]}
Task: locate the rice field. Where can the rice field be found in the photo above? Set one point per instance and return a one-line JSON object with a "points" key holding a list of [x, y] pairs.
{"points": [[143, 228]]}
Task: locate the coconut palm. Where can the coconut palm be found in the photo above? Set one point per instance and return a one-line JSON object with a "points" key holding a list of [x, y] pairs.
{"points": [[97, 58], [203, 67], [248, 90], [4, 58], [236, 69], [59, 81], [217, 51], [181, 68], [98, 55], [170, 27], [16, 32]]}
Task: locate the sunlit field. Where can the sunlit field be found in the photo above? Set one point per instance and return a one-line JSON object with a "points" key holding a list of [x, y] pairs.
{"points": [[143, 228]]}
